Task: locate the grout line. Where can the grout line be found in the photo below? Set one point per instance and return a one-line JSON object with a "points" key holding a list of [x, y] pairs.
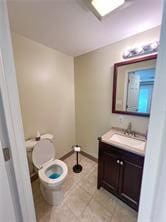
{"points": [[87, 204]]}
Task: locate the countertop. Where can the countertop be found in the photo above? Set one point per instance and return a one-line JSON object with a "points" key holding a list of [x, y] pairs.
{"points": [[106, 139]]}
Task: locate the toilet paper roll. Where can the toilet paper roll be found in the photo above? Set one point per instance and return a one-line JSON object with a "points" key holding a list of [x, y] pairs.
{"points": [[77, 149]]}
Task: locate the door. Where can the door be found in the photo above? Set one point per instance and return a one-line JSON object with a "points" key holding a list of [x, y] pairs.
{"points": [[6, 205], [16, 187], [110, 171], [130, 182], [8, 188], [145, 97], [132, 92]]}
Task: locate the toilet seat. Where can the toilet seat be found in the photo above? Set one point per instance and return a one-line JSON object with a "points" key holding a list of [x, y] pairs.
{"points": [[43, 157], [43, 152], [43, 176]]}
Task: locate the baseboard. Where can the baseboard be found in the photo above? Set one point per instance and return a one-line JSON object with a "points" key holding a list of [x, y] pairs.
{"points": [[89, 156], [67, 155], [83, 153], [35, 176]]}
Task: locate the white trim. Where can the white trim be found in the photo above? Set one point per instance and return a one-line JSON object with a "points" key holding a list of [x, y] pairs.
{"points": [[153, 193], [13, 120]]}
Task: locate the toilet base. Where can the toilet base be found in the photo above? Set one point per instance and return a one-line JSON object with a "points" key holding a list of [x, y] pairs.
{"points": [[52, 196]]}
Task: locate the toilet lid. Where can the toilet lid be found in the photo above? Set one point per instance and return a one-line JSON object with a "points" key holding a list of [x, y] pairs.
{"points": [[42, 153]]}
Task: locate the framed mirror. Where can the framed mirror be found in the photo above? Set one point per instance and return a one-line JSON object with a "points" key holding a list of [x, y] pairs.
{"points": [[133, 86]]}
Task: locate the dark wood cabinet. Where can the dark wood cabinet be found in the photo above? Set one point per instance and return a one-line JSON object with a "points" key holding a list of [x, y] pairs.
{"points": [[110, 171], [120, 172]]}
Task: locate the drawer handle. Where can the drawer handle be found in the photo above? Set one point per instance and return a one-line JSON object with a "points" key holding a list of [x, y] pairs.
{"points": [[118, 161], [121, 162]]}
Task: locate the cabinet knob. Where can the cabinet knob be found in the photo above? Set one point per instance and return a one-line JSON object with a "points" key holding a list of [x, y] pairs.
{"points": [[121, 162], [118, 161]]}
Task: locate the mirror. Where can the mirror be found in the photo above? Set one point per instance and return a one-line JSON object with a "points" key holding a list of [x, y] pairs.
{"points": [[133, 86]]}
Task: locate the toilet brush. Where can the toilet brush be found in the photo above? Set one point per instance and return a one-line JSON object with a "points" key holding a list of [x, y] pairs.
{"points": [[77, 168]]}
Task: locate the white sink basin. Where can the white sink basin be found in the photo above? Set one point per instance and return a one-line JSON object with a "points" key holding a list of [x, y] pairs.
{"points": [[131, 142]]}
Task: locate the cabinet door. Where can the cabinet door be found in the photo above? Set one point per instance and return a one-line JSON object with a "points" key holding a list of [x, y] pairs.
{"points": [[130, 182], [111, 170]]}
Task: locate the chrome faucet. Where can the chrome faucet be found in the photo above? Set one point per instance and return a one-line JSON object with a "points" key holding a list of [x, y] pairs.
{"points": [[129, 130]]}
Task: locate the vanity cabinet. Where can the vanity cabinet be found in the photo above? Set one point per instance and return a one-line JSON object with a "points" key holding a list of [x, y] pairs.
{"points": [[120, 172]]}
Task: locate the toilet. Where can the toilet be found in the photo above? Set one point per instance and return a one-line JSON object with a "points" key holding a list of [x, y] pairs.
{"points": [[52, 172]]}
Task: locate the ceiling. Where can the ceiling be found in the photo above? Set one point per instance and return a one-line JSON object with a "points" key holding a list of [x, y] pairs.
{"points": [[70, 27]]}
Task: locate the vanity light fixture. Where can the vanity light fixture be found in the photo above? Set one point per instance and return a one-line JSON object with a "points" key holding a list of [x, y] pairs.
{"points": [[141, 50], [104, 7]]}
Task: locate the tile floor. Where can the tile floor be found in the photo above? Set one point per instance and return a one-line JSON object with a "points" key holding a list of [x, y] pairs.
{"points": [[82, 201]]}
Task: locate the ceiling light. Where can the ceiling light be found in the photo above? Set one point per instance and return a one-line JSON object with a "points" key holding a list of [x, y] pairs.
{"points": [[103, 7]]}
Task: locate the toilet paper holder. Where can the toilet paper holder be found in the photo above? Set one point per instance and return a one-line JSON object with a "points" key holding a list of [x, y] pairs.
{"points": [[77, 168]]}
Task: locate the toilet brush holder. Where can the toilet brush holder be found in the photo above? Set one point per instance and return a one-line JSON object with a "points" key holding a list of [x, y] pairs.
{"points": [[77, 168]]}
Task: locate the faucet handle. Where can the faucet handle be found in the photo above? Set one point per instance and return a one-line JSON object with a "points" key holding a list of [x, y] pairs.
{"points": [[129, 126], [133, 134]]}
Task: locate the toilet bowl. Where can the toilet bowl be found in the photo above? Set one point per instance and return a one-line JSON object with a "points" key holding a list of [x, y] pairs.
{"points": [[52, 172]]}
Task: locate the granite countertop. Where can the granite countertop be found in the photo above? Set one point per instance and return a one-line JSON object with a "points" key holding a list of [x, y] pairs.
{"points": [[106, 138]]}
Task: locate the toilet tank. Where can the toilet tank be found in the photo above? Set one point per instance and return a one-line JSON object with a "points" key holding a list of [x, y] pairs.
{"points": [[29, 144]]}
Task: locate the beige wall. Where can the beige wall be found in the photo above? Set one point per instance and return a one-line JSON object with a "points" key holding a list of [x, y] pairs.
{"points": [[46, 88], [93, 90]]}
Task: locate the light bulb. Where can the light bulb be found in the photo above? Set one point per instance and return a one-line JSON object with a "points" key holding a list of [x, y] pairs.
{"points": [[154, 45], [126, 53], [139, 50]]}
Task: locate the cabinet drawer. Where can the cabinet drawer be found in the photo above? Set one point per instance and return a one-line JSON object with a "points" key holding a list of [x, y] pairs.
{"points": [[104, 147], [123, 154]]}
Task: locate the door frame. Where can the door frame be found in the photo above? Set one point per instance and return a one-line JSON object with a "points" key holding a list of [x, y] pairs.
{"points": [[7, 204], [153, 192], [10, 97]]}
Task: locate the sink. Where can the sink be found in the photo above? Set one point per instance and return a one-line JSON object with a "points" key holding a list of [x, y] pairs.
{"points": [[128, 141]]}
